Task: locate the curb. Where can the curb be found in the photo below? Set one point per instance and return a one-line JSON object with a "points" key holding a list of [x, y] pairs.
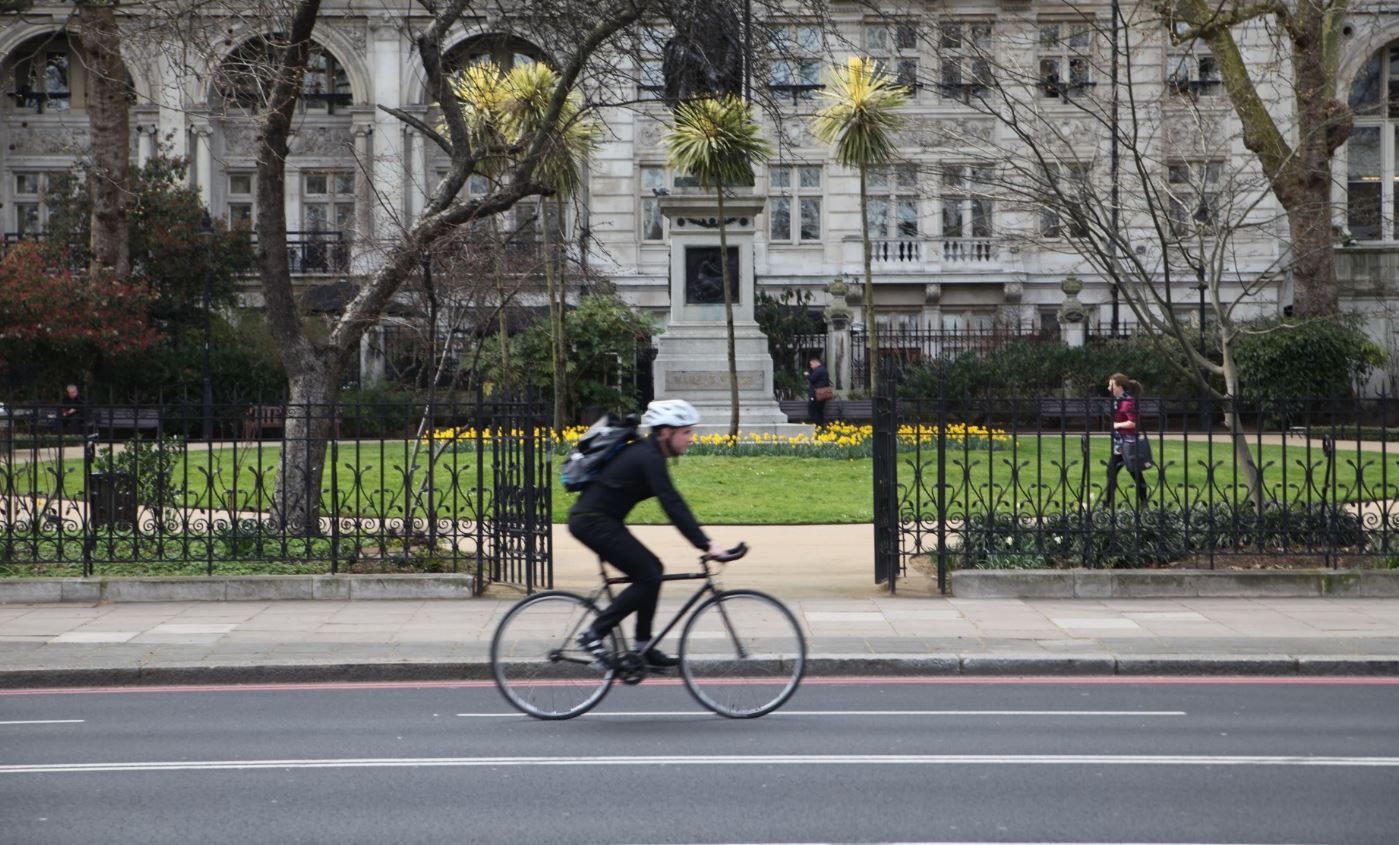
{"points": [[1173, 583], [236, 588], [833, 666]]}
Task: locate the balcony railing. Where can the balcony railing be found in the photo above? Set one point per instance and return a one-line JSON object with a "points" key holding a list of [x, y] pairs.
{"points": [[968, 250], [897, 253]]}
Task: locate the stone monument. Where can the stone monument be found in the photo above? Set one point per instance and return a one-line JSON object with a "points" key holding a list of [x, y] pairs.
{"points": [[692, 362]]}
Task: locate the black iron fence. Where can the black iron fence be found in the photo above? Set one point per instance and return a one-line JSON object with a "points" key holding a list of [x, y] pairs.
{"points": [[902, 348], [115, 489], [1031, 482]]}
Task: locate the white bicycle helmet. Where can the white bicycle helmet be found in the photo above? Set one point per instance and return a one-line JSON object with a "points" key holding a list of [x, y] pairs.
{"points": [[670, 412]]}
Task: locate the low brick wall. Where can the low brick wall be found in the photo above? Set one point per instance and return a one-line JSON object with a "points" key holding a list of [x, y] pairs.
{"points": [[1174, 583]]}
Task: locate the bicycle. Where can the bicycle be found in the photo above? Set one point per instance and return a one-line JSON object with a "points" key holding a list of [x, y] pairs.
{"points": [[742, 653]]}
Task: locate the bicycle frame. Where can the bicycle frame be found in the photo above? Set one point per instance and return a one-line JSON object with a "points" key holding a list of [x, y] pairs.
{"points": [[706, 589]]}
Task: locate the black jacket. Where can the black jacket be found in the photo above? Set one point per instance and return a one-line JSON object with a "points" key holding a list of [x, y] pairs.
{"points": [[636, 474], [816, 378]]}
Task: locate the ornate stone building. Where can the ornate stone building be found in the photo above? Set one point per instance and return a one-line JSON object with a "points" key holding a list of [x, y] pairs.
{"points": [[950, 251]]}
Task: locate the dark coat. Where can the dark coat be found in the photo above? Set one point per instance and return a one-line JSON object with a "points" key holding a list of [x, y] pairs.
{"points": [[818, 377]]}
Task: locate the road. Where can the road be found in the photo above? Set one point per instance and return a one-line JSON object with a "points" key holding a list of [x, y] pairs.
{"points": [[877, 760]]}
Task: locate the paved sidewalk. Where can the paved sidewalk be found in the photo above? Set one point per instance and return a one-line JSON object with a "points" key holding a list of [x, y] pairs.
{"points": [[244, 642]]}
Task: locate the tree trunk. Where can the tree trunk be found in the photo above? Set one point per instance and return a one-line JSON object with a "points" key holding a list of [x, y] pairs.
{"points": [[502, 324], [728, 316], [561, 411], [108, 115], [871, 336], [310, 418], [551, 283], [1242, 456]]}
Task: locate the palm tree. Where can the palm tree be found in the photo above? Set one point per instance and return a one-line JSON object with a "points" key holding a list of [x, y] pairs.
{"points": [[860, 121], [481, 93], [715, 140], [530, 89]]}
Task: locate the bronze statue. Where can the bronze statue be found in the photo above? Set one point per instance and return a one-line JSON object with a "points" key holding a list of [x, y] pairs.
{"points": [[705, 57]]}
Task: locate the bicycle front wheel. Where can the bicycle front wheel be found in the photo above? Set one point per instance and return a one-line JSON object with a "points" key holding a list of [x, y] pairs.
{"points": [[537, 663], [742, 654]]}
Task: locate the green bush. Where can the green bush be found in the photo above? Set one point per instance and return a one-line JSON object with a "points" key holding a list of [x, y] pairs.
{"points": [[378, 410], [151, 465], [1320, 358], [1127, 539]]}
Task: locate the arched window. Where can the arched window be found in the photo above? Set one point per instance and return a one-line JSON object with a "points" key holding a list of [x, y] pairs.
{"points": [[245, 79], [1372, 204], [48, 74], [505, 50]]}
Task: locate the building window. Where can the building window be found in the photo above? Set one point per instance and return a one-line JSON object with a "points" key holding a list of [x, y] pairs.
{"points": [[966, 201], [328, 201], [241, 199], [1191, 69], [893, 202], [965, 60], [650, 82], [794, 203], [894, 45], [325, 86], [1065, 53], [794, 72], [32, 195], [43, 79], [1192, 189], [1067, 186], [652, 221], [1372, 195], [245, 79]]}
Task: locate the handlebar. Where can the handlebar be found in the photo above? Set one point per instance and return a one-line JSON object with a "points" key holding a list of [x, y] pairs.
{"points": [[731, 555]]}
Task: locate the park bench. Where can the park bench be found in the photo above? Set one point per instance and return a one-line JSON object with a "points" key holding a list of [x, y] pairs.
{"points": [[259, 418], [1091, 410], [112, 419], [847, 410]]}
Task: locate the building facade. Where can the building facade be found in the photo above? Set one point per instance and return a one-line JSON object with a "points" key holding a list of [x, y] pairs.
{"points": [[952, 249]]}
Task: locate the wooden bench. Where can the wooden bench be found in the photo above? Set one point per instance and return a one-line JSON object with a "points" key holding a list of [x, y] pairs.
{"points": [[259, 418], [111, 419], [1094, 410], [847, 410]]}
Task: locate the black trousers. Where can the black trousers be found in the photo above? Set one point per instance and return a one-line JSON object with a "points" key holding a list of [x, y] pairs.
{"points": [[613, 543], [1115, 464], [816, 411]]}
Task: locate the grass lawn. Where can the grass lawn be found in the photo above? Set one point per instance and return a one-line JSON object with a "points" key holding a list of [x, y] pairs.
{"points": [[779, 489]]}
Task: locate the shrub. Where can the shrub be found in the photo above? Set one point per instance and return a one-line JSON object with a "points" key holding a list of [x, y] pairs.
{"points": [[1337, 354], [1127, 539]]}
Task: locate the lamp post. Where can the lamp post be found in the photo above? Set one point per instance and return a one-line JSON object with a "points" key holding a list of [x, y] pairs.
{"points": [[206, 234]]}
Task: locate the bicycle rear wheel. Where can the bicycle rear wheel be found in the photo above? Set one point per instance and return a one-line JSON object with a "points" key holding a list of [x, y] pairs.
{"points": [[742, 654], [537, 664]]}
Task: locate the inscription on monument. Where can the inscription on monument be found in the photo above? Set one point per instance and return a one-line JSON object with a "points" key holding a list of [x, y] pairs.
{"points": [[702, 275], [679, 380]]}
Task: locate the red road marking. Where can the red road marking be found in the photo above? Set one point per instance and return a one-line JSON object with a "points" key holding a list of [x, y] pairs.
{"points": [[1212, 680]]}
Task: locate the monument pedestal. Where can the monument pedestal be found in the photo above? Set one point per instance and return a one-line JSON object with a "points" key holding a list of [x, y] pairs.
{"points": [[692, 362]]}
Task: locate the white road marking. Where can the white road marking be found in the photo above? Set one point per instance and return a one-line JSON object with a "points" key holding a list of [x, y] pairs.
{"points": [[46, 722], [712, 760], [862, 713]]}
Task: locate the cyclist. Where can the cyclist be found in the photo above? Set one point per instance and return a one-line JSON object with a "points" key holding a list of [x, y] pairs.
{"points": [[637, 473]]}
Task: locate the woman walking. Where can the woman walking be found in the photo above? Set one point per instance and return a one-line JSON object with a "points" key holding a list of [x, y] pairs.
{"points": [[1126, 425]]}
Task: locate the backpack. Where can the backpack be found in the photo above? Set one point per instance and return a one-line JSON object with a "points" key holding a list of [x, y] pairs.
{"points": [[598, 445]]}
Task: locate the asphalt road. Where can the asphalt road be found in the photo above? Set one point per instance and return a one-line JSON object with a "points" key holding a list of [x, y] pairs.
{"points": [[942, 760]]}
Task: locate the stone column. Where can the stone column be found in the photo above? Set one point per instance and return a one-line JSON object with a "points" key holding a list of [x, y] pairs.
{"points": [[837, 316], [371, 356], [362, 130], [388, 173], [1072, 315], [203, 161]]}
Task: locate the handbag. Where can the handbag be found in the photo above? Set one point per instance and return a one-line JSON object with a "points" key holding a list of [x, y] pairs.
{"points": [[1136, 453], [825, 394]]}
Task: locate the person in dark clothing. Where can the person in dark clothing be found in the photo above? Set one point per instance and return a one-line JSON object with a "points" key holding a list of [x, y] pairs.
{"points": [[816, 377], [72, 413], [597, 520], [1126, 423]]}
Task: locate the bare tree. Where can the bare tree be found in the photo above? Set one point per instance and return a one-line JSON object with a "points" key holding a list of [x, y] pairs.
{"points": [[1296, 158], [1133, 186]]}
